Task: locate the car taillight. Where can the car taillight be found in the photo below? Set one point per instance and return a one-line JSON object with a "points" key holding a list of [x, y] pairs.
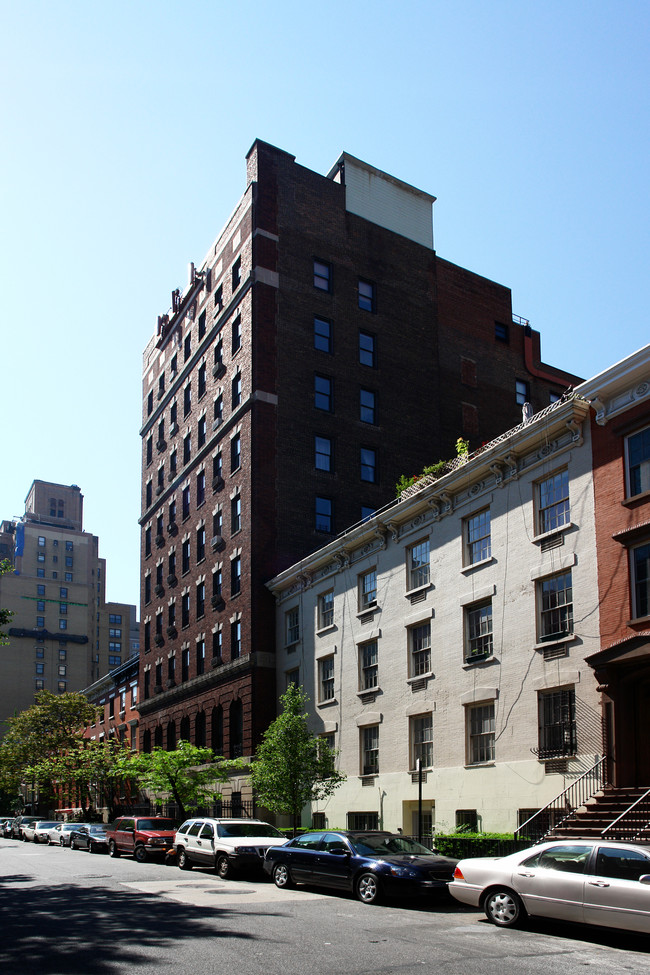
{"points": [[458, 874]]}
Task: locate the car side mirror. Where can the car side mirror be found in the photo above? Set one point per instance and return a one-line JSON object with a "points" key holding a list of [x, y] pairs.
{"points": [[339, 851]]}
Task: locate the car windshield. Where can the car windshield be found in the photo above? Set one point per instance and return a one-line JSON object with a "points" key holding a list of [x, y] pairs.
{"points": [[369, 845], [47, 825], [97, 829], [237, 830], [163, 824]]}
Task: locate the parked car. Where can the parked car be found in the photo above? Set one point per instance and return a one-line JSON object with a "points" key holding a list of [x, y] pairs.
{"points": [[19, 823], [9, 827], [40, 831], [59, 835], [370, 864], [5, 825], [90, 837], [141, 836], [226, 845], [590, 881]]}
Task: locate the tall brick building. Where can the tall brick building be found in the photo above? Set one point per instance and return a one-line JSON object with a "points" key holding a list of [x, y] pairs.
{"points": [[321, 350]]}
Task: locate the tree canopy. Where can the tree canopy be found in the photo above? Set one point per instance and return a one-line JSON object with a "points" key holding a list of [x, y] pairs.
{"points": [[292, 766]]}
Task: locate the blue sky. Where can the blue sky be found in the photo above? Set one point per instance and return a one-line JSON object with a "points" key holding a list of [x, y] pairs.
{"points": [[125, 127]]}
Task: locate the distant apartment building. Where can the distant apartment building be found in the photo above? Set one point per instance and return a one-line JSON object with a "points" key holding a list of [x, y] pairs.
{"points": [[448, 636], [319, 351], [63, 634]]}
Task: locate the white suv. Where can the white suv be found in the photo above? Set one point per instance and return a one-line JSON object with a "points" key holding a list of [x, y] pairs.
{"points": [[225, 844]]}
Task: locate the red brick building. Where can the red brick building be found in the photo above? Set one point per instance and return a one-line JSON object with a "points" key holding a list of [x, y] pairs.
{"points": [[621, 476], [321, 350]]}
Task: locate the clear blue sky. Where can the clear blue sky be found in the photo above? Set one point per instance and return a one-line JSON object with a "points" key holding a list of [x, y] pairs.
{"points": [[124, 129]]}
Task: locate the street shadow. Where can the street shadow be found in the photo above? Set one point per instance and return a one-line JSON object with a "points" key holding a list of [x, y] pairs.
{"points": [[590, 933], [76, 930]]}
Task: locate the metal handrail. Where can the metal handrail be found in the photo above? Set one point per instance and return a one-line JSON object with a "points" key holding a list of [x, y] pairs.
{"points": [[628, 812], [575, 795]]}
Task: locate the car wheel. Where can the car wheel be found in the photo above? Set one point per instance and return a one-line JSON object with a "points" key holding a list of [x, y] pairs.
{"points": [[61, 843], [91, 848], [49, 841], [504, 908], [367, 888], [223, 867], [140, 854], [183, 860], [112, 849], [281, 876], [73, 845]]}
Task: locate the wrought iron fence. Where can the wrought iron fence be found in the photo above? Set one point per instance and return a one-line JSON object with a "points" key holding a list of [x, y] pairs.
{"points": [[554, 813]]}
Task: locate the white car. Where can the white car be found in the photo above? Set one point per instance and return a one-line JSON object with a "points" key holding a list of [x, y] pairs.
{"points": [[589, 881], [41, 830], [225, 844], [59, 834]]}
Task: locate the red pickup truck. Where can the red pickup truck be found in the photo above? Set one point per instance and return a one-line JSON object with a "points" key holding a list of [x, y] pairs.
{"points": [[141, 836]]}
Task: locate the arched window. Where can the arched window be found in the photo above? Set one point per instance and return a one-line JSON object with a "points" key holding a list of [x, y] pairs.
{"points": [[158, 736], [216, 738], [185, 729], [199, 729], [171, 736], [146, 741], [236, 727]]}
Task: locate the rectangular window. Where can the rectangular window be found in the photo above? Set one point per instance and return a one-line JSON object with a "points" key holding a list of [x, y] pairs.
{"points": [[187, 399], [292, 626], [368, 666], [200, 657], [187, 346], [323, 515], [323, 335], [235, 639], [236, 390], [200, 543], [202, 318], [323, 453], [418, 565], [235, 514], [187, 448], [638, 462], [41, 541], [185, 556], [40, 573], [323, 393], [200, 600], [185, 502], [363, 821], [236, 335], [200, 488], [218, 409], [326, 609], [420, 650], [40, 668], [367, 349], [40, 605], [368, 590], [63, 624], [553, 502], [235, 576], [640, 558], [236, 273], [477, 537], [201, 432], [366, 295], [367, 406], [326, 679], [522, 392], [478, 631], [557, 724], [501, 332], [370, 750], [480, 733], [235, 453], [292, 677], [185, 664], [322, 276], [555, 602], [422, 740], [40, 590], [368, 459], [185, 609]]}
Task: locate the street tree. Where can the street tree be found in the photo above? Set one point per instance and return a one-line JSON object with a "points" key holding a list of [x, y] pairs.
{"points": [[188, 775], [292, 766]]}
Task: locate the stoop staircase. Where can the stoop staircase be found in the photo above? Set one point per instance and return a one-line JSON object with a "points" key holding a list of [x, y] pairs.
{"points": [[614, 814]]}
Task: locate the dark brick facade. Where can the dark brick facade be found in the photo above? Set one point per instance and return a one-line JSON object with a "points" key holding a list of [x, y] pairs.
{"points": [[435, 369]]}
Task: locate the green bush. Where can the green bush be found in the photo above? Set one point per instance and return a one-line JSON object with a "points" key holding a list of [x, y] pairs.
{"points": [[462, 845]]}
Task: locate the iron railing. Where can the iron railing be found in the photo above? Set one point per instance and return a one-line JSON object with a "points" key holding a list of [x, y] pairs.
{"points": [[633, 823], [555, 812]]}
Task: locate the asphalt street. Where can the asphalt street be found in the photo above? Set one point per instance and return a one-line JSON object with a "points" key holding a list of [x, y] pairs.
{"points": [[73, 913]]}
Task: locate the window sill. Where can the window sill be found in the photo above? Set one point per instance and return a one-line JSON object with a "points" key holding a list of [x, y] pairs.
{"points": [[638, 621], [327, 704], [568, 638], [479, 659], [369, 691], [368, 776], [428, 676], [290, 647], [326, 629], [418, 589], [634, 499], [374, 608], [481, 765], [477, 565], [544, 536]]}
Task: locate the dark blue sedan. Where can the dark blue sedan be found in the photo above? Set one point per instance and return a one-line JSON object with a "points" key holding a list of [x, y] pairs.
{"points": [[371, 864]]}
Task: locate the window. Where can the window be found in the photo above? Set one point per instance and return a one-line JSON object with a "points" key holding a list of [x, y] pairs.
{"points": [[68, 575], [40, 605], [185, 502], [322, 276], [173, 417], [323, 515], [202, 318], [218, 409], [40, 668], [200, 657], [638, 462], [113, 661], [185, 556], [640, 558], [418, 565], [236, 334], [150, 403], [40, 557], [367, 350], [39, 684], [187, 347], [218, 298], [555, 599], [323, 335], [477, 538], [553, 502], [40, 590], [187, 399], [40, 573], [292, 626], [41, 541], [370, 750], [173, 460], [235, 639], [326, 609], [326, 679], [368, 666], [216, 582], [235, 453], [557, 724], [292, 677], [420, 649], [185, 609], [323, 393], [236, 273], [522, 392], [467, 820], [480, 733], [185, 664], [63, 610], [478, 631], [63, 624], [235, 514], [501, 332], [621, 864], [200, 488], [367, 406], [148, 497], [187, 448], [368, 590], [323, 453], [422, 740], [200, 600], [368, 457], [235, 576], [236, 390], [201, 432], [200, 543], [366, 295]]}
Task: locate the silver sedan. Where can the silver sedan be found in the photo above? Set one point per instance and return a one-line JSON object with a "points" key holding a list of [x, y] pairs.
{"points": [[589, 881]]}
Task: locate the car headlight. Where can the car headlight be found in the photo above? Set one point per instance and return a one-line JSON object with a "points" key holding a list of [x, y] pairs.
{"points": [[404, 872], [245, 849], [158, 841]]}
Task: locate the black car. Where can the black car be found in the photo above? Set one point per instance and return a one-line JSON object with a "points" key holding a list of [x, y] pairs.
{"points": [[91, 838], [371, 864]]}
